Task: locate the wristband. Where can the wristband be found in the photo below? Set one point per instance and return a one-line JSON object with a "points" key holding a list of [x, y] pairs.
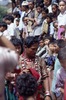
{"points": [[47, 93]]}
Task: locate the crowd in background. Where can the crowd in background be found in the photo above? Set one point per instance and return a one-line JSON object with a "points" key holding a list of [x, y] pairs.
{"points": [[37, 30]]}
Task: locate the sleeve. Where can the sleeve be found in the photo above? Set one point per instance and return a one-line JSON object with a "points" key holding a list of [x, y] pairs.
{"points": [[9, 59]]}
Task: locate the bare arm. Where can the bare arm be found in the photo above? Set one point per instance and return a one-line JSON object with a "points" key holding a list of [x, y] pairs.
{"points": [[45, 80], [6, 43]]}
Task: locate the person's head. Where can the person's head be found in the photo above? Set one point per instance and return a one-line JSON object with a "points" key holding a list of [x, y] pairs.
{"points": [[62, 6], [52, 46], [47, 2], [26, 85], [41, 41], [16, 14], [59, 44], [49, 17], [3, 26], [55, 24], [54, 8], [17, 21], [9, 19], [46, 40], [31, 4], [44, 12], [18, 44], [39, 8], [25, 21], [62, 57], [31, 46], [25, 6]]}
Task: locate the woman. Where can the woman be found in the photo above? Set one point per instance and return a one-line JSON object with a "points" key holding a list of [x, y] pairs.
{"points": [[29, 60]]}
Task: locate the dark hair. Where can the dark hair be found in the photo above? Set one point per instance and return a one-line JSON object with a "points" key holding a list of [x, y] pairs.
{"points": [[61, 43], [40, 5], [55, 4], [17, 14], [3, 24], [62, 54], [26, 85], [30, 40], [17, 42], [10, 18], [45, 10], [50, 15]]}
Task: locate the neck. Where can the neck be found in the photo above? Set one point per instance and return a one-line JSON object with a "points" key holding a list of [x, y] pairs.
{"points": [[62, 12]]}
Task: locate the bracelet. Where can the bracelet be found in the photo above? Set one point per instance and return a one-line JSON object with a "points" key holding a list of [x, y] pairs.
{"points": [[48, 96]]}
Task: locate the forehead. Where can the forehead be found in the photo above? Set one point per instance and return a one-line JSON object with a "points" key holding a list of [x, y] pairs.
{"points": [[34, 45], [62, 3]]}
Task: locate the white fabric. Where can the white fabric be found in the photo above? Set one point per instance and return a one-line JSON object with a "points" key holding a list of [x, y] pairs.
{"points": [[62, 19]]}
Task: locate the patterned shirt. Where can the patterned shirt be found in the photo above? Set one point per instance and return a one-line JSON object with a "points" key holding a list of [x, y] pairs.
{"points": [[38, 64]]}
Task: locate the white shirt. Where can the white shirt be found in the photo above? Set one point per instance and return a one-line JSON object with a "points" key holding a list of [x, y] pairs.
{"points": [[62, 19], [6, 34], [11, 28]]}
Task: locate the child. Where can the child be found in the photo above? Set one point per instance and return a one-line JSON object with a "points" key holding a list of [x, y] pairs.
{"points": [[62, 15], [26, 86], [55, 10], [18, 45], [61, 74], [46, 25], [55, 35]]}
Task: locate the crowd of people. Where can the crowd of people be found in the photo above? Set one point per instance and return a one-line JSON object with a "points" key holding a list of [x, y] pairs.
{"points": [[33, 51]]}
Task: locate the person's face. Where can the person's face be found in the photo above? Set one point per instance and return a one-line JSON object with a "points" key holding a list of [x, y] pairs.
{"points": [[62, 6], [30, 52], [48, 20], [8, 22], [17, 23], [41, 43], [44, 14], [56, 26], [38, 9], [63, 63], [51, 47], [31, 5], [46, 41], [18, 49], [25, 21], [54, 9], [47, 2], [23, 8]]}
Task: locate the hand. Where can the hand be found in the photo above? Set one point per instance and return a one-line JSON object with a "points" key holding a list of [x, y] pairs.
{"points": [[47, 98]]}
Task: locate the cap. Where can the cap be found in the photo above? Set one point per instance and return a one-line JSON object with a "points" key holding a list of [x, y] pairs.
{"points": [[24, 3]]}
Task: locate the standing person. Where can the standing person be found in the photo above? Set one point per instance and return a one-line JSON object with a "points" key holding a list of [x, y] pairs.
{"points": [[61, 75], [62, 15], [8, 61], [29, 60]]}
